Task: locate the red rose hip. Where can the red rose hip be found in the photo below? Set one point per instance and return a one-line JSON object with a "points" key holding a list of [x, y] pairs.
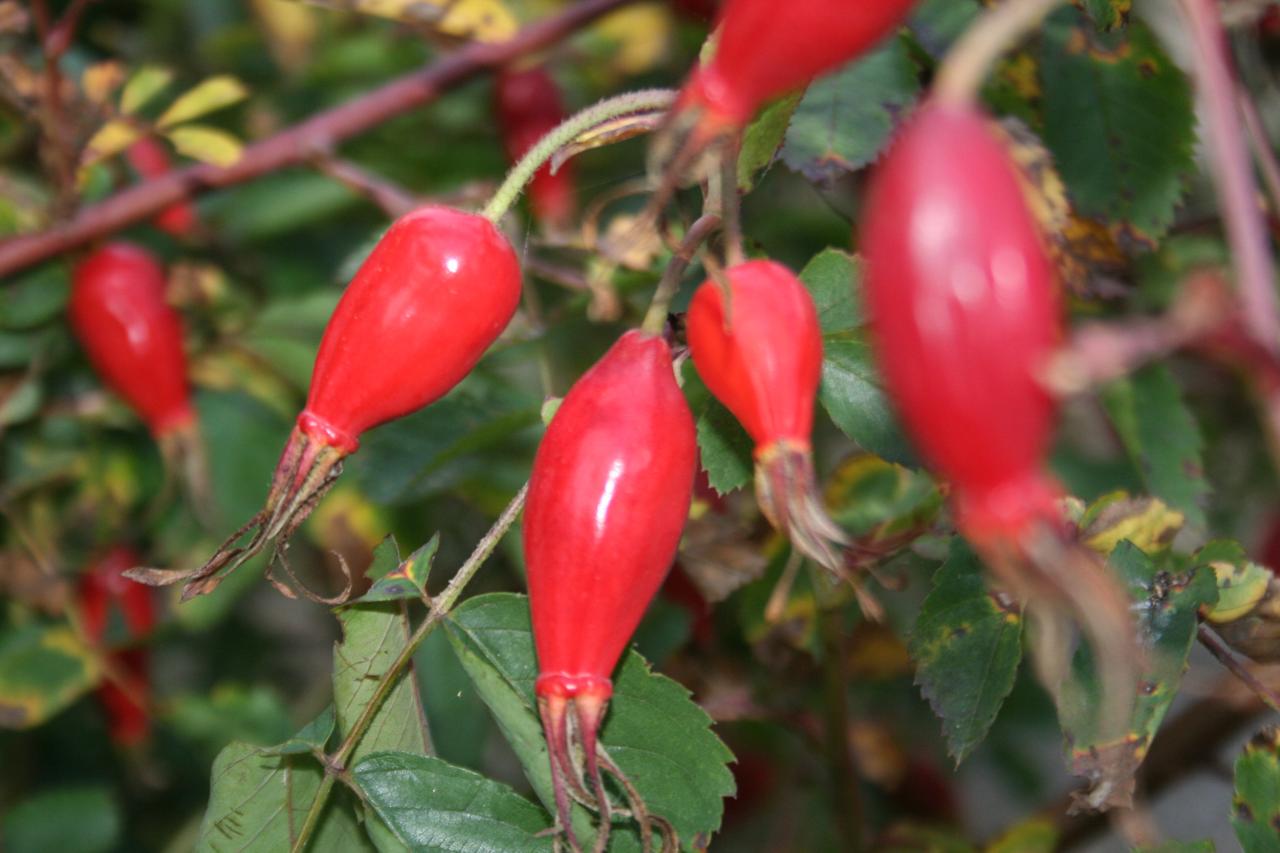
{"points": [[609, 495], [964, 302], [760, 353], [434, 293]]}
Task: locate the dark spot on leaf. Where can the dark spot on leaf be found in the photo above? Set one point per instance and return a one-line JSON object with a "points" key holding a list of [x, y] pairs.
{"points": [[1148, 687], [959, 632], [1148, 68], [1243, 812]]}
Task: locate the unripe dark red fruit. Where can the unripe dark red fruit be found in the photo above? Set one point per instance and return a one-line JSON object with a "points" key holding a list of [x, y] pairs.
{"points": [[104, 591], [131, 334], [760, 353], [765, 49], [529, 106], [149, 159], [434, 293], [608, 498], [965, 310]]}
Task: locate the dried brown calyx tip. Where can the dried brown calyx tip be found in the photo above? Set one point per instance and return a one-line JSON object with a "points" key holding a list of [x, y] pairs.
{"points": [[571, 725], [787, 492], [186, 463], [307, 470]]}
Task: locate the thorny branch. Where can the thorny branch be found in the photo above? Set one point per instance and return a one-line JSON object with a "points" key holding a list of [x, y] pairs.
{"points": [[298, 144]]}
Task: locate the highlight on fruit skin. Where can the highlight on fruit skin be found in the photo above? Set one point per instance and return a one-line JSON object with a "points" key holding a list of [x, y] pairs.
{"points": [[965, 314], [965, 311], [434, 293], [528, 105], [608, 498], [757, 345], [134, 341]]}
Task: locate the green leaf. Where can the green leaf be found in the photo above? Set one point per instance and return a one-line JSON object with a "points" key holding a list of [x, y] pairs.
{"points": [[373, 636], [833, 278], [206, 144], [1162, 439], [109, 140], [1255, 808], [463, 810], [1120, 122], [1107, 14], [406, 579], [762, 139], [1242, 583], [1166, 607], [660, 738], [43, 669], [30, 300], [230, 712], [725, 449], [147, 82], [68, 820], [313, 737], [852, 395], [258, 802], [846, 118], [967, 644], [1205, 846], [936, 24], [205, 97]]}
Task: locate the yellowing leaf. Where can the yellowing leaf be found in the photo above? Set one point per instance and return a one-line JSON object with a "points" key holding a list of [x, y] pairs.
{"points": [[1240, 587], [642, 33], [206, 144], [481, 20], [112, 138], [145, 84], [101, 79], [290, 29], [213, 94], [1148, 523]]}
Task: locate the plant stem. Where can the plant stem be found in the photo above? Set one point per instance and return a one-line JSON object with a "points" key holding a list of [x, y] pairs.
{"points": [[294, 145], [1211, 641], [1262, 152], [440, 608], [845, 785], [656, 317], [1233, 175], [966, 66], [570, 129]]}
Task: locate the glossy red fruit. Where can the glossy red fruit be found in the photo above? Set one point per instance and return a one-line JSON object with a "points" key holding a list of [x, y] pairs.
{"points": [[965, 309], [763, 356], [149, 159], [766, 48], [434, 293], [760, 353], [132, 336], [106, 598], [608, 498], [529, 106]]}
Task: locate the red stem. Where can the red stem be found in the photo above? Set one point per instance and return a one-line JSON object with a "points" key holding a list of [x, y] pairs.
{"points": [[1233, 174], [299, 143]]}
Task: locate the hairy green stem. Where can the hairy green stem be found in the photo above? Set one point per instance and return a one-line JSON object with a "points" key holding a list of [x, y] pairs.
{"points": [[645, 100], [440, 608]]}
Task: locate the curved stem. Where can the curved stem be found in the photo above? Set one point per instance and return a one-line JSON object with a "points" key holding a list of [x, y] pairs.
{"points": [[569, 130], [968, 63], [1233, 174], [656, 317], [441, 605]]}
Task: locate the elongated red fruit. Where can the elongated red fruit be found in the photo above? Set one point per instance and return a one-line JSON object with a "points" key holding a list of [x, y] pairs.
{"points": [[149, 159], [760, 353], [766, 48], [132, 336], [608, 498], [965, 310], [529, 106], [107, 597], [434, 293]]}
